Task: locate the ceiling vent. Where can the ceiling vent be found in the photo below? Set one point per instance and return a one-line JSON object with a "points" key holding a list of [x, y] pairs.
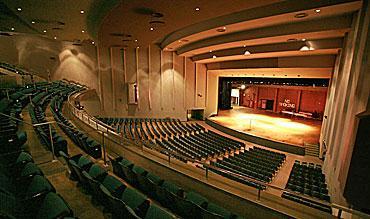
{"points": [[156, 20]]}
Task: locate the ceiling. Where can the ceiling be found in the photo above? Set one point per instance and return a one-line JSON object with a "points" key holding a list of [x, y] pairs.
{"points": [[199, 29]]}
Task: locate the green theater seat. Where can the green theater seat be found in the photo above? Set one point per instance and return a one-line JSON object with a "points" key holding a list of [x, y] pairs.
{"points": [[215, 209], [155, 212], [135, 200], [53, 206]]}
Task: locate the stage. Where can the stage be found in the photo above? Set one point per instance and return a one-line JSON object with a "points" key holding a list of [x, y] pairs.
{"points": [[275, 128]]}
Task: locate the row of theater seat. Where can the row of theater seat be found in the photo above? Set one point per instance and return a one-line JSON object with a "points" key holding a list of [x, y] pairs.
{"points": [[308, 179], [256, 163], [37, 114], [87, 144], [184, 204], [150, 128], [24, 191], [109, 191]]}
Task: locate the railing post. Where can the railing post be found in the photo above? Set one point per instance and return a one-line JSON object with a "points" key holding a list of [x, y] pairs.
{"points": [[7, 94], [51, 142], [259, 194], [104, 150], [206, 172], [339, 213]]}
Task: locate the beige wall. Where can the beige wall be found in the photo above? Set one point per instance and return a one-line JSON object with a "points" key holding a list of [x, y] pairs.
{"points": [[348, 97], [31, 52], [167, 83]]}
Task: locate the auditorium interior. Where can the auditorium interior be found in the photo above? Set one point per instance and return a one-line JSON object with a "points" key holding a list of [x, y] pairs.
{"points": [[184, 109]]}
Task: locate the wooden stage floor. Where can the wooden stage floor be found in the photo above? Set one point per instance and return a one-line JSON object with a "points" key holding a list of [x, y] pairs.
{"points": [[270, 125]]}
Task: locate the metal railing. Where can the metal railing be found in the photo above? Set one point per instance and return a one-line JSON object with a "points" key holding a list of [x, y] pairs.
{"points": [[110, 132]]}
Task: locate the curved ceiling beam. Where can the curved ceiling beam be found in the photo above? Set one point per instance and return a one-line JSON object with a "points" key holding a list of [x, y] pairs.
{"points": [[339, 23], [248, 15], [99, 9]]}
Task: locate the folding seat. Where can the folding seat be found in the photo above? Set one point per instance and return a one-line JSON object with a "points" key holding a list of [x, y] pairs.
{"points": [[114, 187], [82, 164], [135, 200], [155, 212], [169, 194], [95, 173], [28, 171], [117, 169], [118, 207], [218, 212], [53, 206], [140, 173], [149, 184], [36, 189], [127, 166]]}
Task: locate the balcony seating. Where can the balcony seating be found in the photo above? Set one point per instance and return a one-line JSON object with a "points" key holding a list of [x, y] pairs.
{"points": [[187, 205], [256, 163], [308, 202], [309, 180]]}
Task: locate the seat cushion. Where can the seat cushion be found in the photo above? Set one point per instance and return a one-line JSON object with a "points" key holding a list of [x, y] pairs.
{"points": [[53, 206]]}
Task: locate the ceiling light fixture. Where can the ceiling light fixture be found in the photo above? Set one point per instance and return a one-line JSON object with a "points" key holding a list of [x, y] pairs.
{"points": [[151, 29], [304, 48], [210, 50], [303, 39], [33, 22], [44, 31], [197, 8], [244, 46], [82, 11], [301, 15], [55, 38], [93, 42], [247, 53], [12, 28], [136, 40], [214, 56], [19, 9], [317, 10], [82, 31]]}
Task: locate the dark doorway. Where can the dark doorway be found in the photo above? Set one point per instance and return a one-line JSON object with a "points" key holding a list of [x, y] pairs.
{"points": [[269, 104]]}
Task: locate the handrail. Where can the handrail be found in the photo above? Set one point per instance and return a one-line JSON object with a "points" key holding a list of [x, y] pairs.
{"points": [[206, 165]]}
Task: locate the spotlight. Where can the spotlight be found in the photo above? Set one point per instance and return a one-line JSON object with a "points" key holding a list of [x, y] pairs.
{"points": [[317, 10], [82, 11], [19, 9], [151, 29], [197, 8], [247, 53], [12, 28], [33, 22], [44, 31], [214, 56]]}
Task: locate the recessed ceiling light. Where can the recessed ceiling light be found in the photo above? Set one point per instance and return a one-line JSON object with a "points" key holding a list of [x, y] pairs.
{"points": [[93, 42], [33, 22], [291, 40], [197, 8], [210, 50], [12, 28], [55, 38], [19, 9], [214, 56], [301, 15], [137, 47], [247, 53], [151, 29], [44, 31], [303, 39], [304, 48], [317, 10], [82, 31], [82, 11], [135, 40]]}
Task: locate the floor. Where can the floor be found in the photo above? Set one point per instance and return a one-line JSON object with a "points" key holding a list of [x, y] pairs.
{"points": [[270, 125]]}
